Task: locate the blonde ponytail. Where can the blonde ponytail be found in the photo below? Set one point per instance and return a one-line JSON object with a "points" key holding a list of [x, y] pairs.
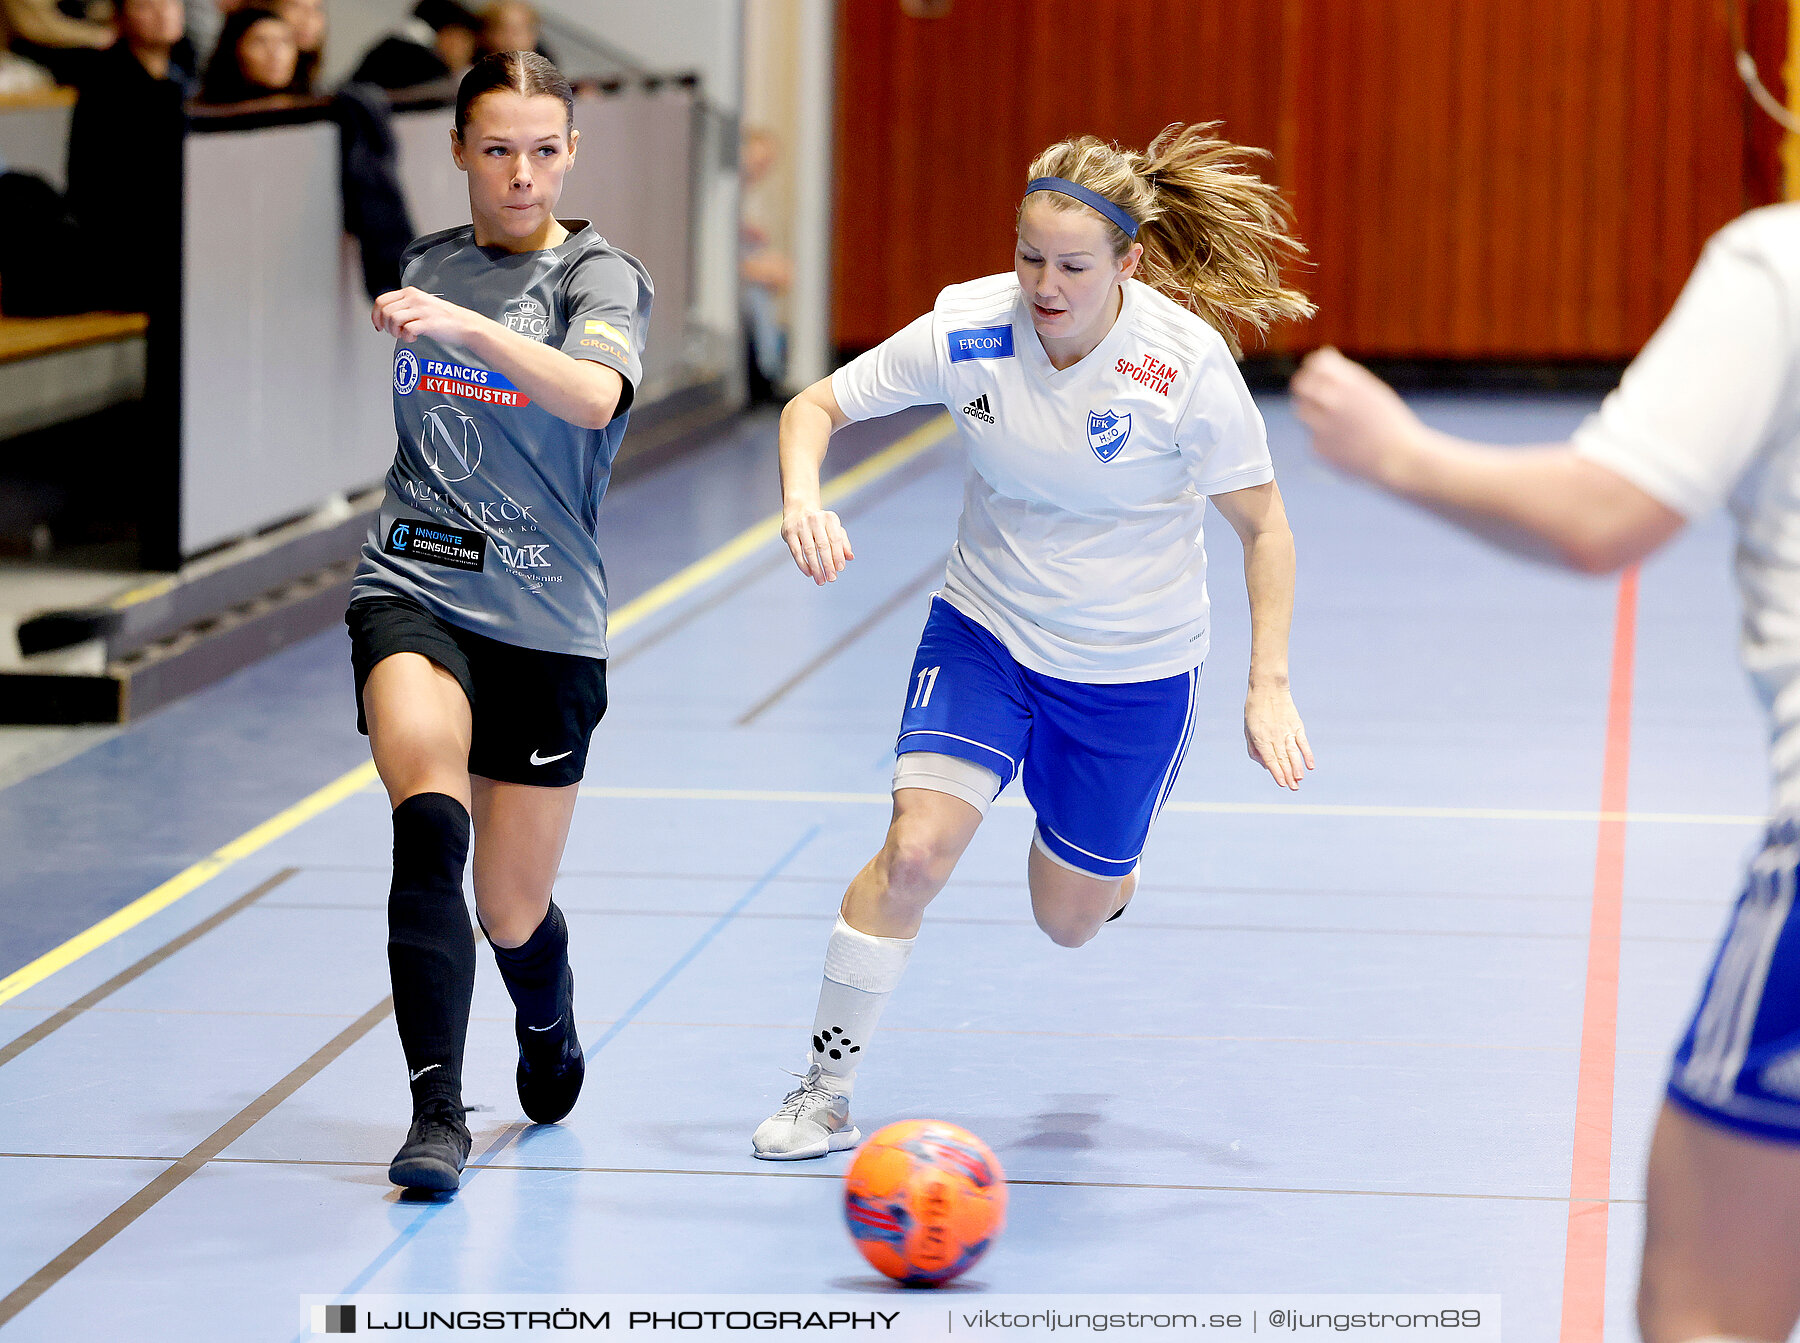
{"points": [[1214, 233]]}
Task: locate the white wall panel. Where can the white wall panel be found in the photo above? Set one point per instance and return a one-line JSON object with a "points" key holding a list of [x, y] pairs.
{"points": [[669, 36], [259, 373], [633, 177], [36, 140], [437, 193]]}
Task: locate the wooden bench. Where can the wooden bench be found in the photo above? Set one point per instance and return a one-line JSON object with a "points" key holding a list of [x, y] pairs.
{"points": [[30, 337], [54, 369], [31, 143], [57, 96]]}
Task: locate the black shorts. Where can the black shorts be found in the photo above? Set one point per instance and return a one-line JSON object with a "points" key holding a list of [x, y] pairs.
{"points": [[533, 711]]}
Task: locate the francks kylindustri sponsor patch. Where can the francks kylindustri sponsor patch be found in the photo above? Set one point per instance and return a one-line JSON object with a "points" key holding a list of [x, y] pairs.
{"points": [[443, 378]]}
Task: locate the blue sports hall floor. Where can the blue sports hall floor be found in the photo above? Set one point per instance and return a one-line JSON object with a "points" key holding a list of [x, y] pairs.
{"points": [[1335, 1045]]}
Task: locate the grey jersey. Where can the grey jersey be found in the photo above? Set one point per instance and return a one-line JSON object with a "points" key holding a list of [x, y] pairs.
{"points": [[492, 504]]}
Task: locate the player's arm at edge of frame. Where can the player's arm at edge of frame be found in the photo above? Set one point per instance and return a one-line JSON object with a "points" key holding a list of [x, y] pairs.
{"points": [[815, 538], [1547, 503]]}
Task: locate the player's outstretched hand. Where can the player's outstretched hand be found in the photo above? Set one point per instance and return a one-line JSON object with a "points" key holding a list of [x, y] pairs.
{"points": [[1359, 424], [1275, 736], [818, 543], [410, 313]]}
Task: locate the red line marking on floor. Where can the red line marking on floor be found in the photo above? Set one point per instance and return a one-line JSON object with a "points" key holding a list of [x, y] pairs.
{"points": [[1590, 1176]]}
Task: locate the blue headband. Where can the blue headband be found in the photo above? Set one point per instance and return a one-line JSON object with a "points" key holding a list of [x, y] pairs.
{"points": [[1093, 199]]}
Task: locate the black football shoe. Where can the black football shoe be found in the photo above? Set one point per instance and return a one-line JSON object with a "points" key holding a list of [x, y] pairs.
{"points": [[551, 1065], [436, 1149]]}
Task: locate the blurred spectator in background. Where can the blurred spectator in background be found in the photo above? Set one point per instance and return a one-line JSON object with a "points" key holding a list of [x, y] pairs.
{"points": [[68, 253], [765, 272], [307, 19], [256, 57], [458, 46], [40, 250], [139, 82], [512, 25], [437, 43], [154, 32], [151, 45], [374, 201], [36, 30], [205, 20]]}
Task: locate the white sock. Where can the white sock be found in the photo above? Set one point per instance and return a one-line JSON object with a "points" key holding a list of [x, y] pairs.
{"points": [[861, 970]]}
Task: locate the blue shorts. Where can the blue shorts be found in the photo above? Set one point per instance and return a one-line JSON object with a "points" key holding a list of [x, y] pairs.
{"points": [[1099, 760], [1739, 1064]]}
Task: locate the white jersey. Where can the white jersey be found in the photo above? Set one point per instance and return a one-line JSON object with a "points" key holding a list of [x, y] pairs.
{"points": [[1080, 544], [1709, 414]]}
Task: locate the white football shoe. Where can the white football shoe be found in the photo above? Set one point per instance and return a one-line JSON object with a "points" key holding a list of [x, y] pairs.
{"points": [[813, 1120]]}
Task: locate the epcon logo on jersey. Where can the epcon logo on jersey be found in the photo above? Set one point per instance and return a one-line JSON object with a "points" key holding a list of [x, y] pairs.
{"points": [[982, 342], [473, 384]]}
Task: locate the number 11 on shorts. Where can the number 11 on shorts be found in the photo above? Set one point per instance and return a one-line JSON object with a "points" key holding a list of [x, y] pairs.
{"points": [[927, 679]]}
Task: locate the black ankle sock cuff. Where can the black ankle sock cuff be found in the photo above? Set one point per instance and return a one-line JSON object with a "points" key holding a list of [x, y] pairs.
{"points": [[544, 950], [440, 1094]]}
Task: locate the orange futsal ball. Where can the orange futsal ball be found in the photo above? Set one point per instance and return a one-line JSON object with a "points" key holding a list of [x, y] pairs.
{"points": [[924, 1200]]}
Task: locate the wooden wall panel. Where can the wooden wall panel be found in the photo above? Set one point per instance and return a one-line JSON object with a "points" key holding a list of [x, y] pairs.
{"points": [[958, 107], [1484, 179]]}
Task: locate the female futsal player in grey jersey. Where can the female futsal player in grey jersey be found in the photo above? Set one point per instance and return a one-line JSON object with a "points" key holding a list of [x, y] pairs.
{"points": [[1707, 415], [478, 615]]}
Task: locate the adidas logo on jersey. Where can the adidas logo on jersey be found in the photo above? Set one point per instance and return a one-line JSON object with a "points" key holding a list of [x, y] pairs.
{"points": [[978, 409]]}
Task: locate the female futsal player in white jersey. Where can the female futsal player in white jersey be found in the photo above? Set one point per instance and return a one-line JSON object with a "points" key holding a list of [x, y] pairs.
{"points": [[1100, 405], [478, 615], [1707, 415]]}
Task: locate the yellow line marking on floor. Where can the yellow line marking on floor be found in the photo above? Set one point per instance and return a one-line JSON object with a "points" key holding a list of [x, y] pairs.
{"points": [[154, 588], [182, 883], [1200, 808], [841, 487]]}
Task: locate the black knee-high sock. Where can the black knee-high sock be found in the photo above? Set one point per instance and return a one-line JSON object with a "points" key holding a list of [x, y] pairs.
{"points": [[431, 948], [534, 973]]}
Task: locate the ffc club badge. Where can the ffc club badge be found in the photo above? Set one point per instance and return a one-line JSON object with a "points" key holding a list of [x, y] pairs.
{"points": [[406, 372], [1107, 433]]}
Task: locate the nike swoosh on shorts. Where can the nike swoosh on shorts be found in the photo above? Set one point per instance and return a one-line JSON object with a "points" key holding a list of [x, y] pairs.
{"points": [[549, 759]]}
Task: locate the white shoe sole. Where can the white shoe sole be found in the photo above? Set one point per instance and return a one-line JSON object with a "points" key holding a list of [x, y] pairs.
{"points": [[834, 1142]]}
